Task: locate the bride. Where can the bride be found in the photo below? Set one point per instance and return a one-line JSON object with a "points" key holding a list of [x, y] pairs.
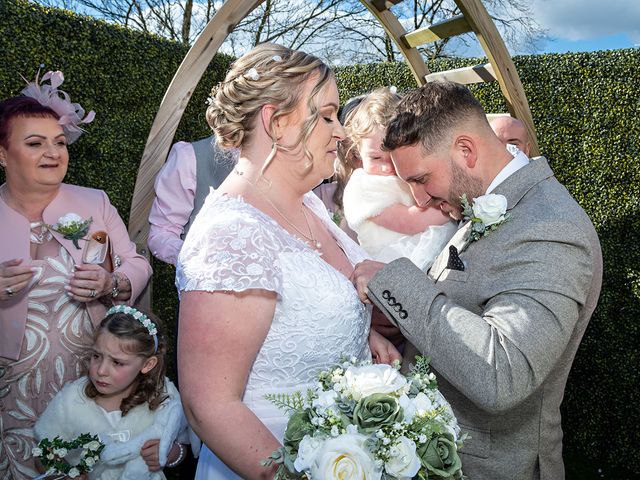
{"points": [[265, 297]]}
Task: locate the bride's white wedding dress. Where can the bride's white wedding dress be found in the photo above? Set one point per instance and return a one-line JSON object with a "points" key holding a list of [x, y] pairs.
{"points": [[233, 246]]}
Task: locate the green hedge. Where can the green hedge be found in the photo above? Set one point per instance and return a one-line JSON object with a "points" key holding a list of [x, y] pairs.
{"points": [[586, 110]]}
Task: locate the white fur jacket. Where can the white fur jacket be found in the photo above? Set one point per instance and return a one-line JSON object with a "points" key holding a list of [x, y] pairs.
{"points": [[365, 197], [71, 413]]}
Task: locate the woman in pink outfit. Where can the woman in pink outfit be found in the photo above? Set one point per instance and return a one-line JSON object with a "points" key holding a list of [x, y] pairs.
{"points": [[49, 299]]}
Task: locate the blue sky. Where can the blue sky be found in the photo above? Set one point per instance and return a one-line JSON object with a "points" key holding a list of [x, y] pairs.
{"points": [[588, 25]]}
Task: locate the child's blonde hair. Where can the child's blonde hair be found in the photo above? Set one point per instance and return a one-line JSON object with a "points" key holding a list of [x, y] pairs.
{"points": [[136, 339], [376, 110]]}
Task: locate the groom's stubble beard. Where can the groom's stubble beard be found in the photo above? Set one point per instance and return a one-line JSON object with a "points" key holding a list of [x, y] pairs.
{"points": [[462, 184]]}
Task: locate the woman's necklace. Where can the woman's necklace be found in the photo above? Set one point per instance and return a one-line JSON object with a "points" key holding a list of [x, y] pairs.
{"points": [[308, 238]]}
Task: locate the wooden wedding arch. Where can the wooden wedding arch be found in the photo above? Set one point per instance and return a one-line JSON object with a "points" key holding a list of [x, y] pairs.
{"points": [[474, 18]]}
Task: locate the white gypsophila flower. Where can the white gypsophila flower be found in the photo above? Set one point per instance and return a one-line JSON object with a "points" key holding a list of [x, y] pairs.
{"points": [[345, 456], [73, 473], [490, 208], [50, 456], [36, 451], [422, 438], [404, 461], [69, 218], [369, 379], [307, 450], [352, 428], [334, 431]]}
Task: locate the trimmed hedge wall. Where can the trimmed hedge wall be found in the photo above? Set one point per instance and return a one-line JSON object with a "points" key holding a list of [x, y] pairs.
{"points": [[586, 110]]}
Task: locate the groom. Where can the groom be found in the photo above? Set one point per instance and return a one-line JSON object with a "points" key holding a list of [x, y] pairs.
{"points": [[501, 315]]}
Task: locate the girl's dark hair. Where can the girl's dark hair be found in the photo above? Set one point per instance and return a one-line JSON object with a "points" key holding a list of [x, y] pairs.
{"points": [[20, 107], [149, 387]]}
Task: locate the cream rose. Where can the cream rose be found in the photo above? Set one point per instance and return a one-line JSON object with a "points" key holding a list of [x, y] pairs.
{"points": [[344, 457], [69, 218], [367, 380], [490, 208], [307, 451], [404, 461], [418, 405]]}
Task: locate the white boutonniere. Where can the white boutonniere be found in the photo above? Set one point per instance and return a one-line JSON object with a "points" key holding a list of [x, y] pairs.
{"points": [[486, 214], [72, 227]]}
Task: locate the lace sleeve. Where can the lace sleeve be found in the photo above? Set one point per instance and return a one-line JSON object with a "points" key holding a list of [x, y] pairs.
{"points": [[229, 250]]}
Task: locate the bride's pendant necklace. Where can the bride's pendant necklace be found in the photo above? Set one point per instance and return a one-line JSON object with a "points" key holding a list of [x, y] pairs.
{"points": [[308, 238]]}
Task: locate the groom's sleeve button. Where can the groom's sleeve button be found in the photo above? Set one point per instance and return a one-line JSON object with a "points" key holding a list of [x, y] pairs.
{"points": [[386, 294], [402, 314], [392, 301]]}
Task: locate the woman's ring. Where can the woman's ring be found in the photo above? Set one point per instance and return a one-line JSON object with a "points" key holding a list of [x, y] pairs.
{"points": [[92, 294], [9, 291]]}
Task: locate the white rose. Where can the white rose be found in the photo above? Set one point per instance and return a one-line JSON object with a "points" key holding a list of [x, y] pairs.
{"points": [[325, 400], [370, 379], [60, 452], [404, 462], [92, 445], [36, 452], [490, 208], [89, 462], [73, 473], [69, 218], [307, 450], [344, 457], [415, 406]]}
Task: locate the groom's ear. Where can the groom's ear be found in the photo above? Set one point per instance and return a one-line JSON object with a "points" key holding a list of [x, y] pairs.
{"points": [[466, 149]]}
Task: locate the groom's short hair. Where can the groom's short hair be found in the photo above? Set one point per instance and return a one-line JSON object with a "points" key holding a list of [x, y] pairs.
{"points": [[429, 113]]}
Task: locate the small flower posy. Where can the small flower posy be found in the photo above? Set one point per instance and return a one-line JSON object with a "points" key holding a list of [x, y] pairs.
{"points": [[52, 455], [369, 422], [486, 214], [141, 317], [72, 227]]}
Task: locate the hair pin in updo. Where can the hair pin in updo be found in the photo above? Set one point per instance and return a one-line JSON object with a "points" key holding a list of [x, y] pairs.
{"points": [[252, 74], [276, 58]]}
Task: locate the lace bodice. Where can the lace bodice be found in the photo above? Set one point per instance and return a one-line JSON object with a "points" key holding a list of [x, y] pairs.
{"points": [[318, 317]]}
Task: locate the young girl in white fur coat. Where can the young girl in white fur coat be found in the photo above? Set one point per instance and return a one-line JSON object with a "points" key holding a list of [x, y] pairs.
{"points": [[378, 205], [125, 399]]}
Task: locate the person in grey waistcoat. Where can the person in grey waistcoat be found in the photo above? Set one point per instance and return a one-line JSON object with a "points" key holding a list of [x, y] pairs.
{"points": [[503, 308], [191, 170]]}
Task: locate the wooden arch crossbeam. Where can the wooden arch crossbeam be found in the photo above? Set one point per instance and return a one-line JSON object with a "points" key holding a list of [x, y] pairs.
{"points": [[474, 19]]}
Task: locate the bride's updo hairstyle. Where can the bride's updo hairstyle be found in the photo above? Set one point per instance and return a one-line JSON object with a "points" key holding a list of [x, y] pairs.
{"points": [[269, 74]]}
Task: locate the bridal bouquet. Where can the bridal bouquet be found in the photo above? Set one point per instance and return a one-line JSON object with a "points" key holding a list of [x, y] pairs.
{"points": [[366, 422]]}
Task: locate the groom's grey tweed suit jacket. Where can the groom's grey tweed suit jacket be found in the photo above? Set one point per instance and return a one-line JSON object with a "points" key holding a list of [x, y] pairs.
{"points": [[502, 334]]}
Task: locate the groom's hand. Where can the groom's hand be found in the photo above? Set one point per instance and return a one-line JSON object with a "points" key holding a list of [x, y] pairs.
{"points": [[362, 275]]}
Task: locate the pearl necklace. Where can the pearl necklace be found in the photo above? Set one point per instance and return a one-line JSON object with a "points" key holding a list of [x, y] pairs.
{"points": [[38, 238], [308, 238]]}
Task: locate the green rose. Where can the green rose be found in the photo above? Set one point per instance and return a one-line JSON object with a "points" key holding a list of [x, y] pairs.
{"points": [[375, 411], [299, 425], [440, 457]]}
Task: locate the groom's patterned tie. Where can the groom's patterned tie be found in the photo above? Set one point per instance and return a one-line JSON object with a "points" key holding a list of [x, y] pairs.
{"points": [[454, 262]]}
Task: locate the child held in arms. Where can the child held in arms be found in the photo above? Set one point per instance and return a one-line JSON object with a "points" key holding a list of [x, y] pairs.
{"points": [[378, 205]]}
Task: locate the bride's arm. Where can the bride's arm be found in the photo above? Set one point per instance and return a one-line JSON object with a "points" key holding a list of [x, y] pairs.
{"points": [[219, 337]]}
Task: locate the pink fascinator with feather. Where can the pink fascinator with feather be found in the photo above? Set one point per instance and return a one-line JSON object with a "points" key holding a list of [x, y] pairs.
{"points": [[71, 114]]}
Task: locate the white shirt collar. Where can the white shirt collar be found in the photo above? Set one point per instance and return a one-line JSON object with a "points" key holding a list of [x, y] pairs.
{"points": [[519, 161]]}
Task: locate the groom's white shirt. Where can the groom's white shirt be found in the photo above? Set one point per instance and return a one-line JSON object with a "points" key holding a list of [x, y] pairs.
{"points": [[519, 160]]}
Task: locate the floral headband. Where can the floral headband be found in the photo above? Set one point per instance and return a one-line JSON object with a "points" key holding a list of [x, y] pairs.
{"points": [[71, 114], [141, 317]]}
